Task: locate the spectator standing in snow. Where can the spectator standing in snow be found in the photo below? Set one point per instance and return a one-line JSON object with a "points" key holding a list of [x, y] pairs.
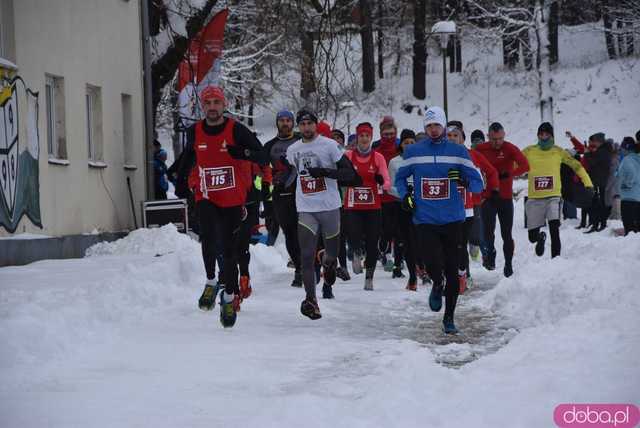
{"points": [[629, 182], [160, 183], [599, 167]]}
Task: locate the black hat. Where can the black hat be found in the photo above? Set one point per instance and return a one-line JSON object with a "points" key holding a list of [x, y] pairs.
{"points": [[599, 137], [629, 144], [306, 114], [477, 135], [545, 127], [495, 127], [339, 132], [407, 133]]}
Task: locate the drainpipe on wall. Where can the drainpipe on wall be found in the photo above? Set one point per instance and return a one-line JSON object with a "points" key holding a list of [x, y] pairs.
{"points": [[148, 103]]}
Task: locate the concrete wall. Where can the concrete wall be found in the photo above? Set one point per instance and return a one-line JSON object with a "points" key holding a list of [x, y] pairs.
{"points": [[87, 42]]}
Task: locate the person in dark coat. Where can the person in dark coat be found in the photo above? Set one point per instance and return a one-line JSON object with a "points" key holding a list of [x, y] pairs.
{"points": [[598, 160]]}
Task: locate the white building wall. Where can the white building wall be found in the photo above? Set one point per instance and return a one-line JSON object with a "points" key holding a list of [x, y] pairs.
{"points": [[94, 42]]}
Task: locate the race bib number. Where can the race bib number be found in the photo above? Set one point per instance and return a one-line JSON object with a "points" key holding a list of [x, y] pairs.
{"points": [[310, 185], [543, 183], [219, 178], [435, 188], [362, 196]]}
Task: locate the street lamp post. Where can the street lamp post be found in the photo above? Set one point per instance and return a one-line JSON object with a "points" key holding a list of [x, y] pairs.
{"points": [[444, 29]]}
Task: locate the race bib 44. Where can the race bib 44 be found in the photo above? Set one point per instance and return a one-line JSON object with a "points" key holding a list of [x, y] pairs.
{"points": [[361, 196], [435, 188], [219, 178], [542, 183]]}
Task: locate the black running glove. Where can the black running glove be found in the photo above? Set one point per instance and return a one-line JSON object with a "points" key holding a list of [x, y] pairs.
{"points": [[408, 203], [454, 175], [379, 179], [238, 152], [504, 175], [318, 172]]}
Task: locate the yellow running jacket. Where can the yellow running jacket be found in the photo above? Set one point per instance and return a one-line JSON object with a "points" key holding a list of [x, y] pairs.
{"points": [[544, 172]]}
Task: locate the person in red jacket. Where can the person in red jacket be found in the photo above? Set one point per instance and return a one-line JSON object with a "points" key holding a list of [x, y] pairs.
{"points": [[363, 203], [509, 161], [387, 146], [455, 133], [217, 148]]}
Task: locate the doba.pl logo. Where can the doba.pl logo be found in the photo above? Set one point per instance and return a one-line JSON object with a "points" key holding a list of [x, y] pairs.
{"points": [[596, 415]]}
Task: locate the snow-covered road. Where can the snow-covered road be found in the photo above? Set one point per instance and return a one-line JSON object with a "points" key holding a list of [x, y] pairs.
{"points": [[116, 340]]}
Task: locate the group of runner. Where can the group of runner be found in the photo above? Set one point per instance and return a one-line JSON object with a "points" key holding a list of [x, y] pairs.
{"points": [[424, 200]]}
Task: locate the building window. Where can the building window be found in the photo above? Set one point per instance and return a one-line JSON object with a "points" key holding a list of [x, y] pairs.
{"points": [[127, 132], [56, 128], [94, 123]]}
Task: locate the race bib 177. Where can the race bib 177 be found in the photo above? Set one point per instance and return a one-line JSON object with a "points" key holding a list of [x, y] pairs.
{"points": [[543, 183]]}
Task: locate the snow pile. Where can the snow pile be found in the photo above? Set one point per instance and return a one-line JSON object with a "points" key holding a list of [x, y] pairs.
{"points": [[595, 272], [157, 241]]}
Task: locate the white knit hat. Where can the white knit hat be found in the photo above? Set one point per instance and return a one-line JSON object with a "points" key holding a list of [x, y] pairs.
{"points": [[435, 115]]}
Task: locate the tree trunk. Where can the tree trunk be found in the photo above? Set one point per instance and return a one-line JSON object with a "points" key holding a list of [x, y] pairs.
{"points": [[308, 80], [545, 81], [368, 58], [458, 55], [608, 28], [629, 34], [380, 42], [419, 50], [554, 20], [252, 101], [510, 48], [527, 52]]}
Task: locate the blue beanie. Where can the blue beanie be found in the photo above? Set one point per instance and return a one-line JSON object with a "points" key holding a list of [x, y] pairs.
{"points": [[284, 113]]}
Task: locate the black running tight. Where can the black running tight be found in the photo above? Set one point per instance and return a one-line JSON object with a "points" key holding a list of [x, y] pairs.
{"points": [[554, 231]]}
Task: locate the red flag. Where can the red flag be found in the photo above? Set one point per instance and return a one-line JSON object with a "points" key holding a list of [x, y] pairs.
{"points": [[204, 49]]}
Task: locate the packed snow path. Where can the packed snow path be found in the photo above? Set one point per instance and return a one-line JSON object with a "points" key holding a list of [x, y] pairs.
{"points": [[116, 339]]}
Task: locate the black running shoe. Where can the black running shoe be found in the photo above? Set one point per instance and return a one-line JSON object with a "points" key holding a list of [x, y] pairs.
{"points": [[542, 237], [297, 279], [343, 273], [397, 273], [208, 299], [489, 261], [508, 269], [309, 308], [329, 272], [327, 292], [435, 297]]}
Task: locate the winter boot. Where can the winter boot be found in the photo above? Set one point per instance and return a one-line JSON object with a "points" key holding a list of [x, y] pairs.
{"points": [[327, 292], [208, 299], [356, 263], [229, 306], [368, 279], [448, 326], [245, 287], [542, 237], [309, 308], [343, 273], [435, 297]]}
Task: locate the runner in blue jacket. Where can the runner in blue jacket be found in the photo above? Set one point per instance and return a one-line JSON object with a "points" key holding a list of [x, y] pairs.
{"points": [[442, 171]]}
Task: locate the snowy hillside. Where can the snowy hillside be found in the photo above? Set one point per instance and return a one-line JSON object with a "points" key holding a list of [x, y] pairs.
{"points": [[116, 339]]}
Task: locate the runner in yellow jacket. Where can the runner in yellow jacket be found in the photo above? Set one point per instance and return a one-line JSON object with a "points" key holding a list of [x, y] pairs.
{"points": [[544, 202]]}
